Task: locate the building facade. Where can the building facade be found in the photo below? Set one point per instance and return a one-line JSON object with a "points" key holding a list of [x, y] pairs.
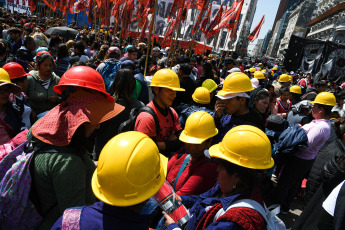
{"points": [[329, 21]]}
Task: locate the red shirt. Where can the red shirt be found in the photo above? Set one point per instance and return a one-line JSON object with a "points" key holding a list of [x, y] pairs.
{"points": [[282, 108], [198, 176], [145, 123]]}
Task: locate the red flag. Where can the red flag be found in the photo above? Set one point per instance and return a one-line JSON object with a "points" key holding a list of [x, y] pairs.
{"points": [[140, 10], [215, 21], [200, 4], [205, 20], [32, 4], [191, 4], [230, 16], [143, 33], [176, 4], [198, 20], [255, 33], [51, 4], [89, 11]]}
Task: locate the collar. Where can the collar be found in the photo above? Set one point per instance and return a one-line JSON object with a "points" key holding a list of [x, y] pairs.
{"points": [[164, 111], [226, 201], [121, 212], [320, 120]]}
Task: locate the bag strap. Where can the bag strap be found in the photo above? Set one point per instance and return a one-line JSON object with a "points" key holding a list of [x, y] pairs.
{"points": [[71, 218], [150, 111], [172, 115], [183, 166]]}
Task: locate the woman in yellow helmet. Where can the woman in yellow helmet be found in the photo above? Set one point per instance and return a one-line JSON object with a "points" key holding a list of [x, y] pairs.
{"points": [[190, 172], [243, 154]]}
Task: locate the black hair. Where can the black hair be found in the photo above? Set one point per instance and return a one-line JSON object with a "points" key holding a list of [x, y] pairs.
{"points": [[327, 109], [54, 41], [41, 58], [3, 48], [283, 90], [27, 40], [261, 95], [132, 49], [28, 29], [186, 68], [124, 85], [62, 51], [78, 63], [15, 30], [269, 86], [249, 178], [320, 83], [295, 96], [183, 59], [207, 67], [80, 46], [339, 126]]}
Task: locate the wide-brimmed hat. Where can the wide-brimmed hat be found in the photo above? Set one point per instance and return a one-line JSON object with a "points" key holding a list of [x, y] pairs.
{"points": [[58, 126]]}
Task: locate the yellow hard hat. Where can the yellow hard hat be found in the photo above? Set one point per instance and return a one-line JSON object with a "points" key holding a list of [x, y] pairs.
{"points": [[130, 170], [101, 30], [236, 83], [325, 98], [259, 75], [201, 95], [260, 64], [210, 85], [6, 80], [274, 69], [284, 78], [295, 89], [245, 145], [252, 70], [199, 127], [290, 78], [166, 78], [264, 70]]}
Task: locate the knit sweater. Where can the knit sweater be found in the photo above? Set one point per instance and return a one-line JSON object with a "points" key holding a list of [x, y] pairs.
{"points": [[60, 180], [38, 95]]}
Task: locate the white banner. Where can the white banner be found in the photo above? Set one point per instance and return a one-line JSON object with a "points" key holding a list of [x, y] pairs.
{"points": [[20, 6]]}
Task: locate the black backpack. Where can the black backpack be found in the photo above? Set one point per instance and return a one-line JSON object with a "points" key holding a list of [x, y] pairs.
{"points": [[129, 124]]}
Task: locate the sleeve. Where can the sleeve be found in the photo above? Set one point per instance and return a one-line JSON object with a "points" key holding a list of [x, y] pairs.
{"points": [[69, 181], [172, 162], [315, 136], [201, 180], [173, 226], [145, 124]]}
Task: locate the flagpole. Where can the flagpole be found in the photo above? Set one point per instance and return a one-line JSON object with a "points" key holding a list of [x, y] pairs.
{"points": [[150, 33], [178, 33], [225, 44]]}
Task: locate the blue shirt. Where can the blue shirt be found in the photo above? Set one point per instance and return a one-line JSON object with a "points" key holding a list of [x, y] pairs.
{"points": [[198, 205], [103, 216]]}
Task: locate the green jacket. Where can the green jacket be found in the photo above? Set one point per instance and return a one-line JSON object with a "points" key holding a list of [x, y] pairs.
{"points": [[38, 95], [61, 178]]}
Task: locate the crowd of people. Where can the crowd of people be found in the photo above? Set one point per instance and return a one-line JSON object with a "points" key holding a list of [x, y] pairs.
{"points": [[110, 121]]}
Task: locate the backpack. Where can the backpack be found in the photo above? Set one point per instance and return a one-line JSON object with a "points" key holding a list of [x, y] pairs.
{"points": [[17, 211], [269, 214], [129, 124], [108, 73]]}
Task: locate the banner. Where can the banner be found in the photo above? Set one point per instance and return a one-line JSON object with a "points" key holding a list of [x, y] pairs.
{"points": [[20, 6], [161, 26], [322, 59]]}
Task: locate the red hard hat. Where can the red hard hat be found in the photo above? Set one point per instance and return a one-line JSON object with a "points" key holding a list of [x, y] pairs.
{"points": [[83, 76], [15, 70], [42, 52]]}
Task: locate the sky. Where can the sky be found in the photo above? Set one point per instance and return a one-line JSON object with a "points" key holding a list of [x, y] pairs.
{"points": [[268, 8]]}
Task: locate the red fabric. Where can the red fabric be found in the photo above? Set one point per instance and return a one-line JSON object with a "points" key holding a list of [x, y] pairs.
{"points": [[281, 109], [145, 123], [197, 177], [202, 6], [208, 217], [255, 33], [204, 21], [215, 21], [247, 218]]}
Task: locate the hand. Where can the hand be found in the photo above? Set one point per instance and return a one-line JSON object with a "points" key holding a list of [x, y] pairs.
{"points": [[178, 197], [31, 66], [96, 163], [54, 99], [168, 219], [173, 137], [219, 108]]}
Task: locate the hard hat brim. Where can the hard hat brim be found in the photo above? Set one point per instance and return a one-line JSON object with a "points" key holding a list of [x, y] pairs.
{"points": [[216, 152], [193, 140], [329, 104], [172, 88], [15, 88], [129, 202]]}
